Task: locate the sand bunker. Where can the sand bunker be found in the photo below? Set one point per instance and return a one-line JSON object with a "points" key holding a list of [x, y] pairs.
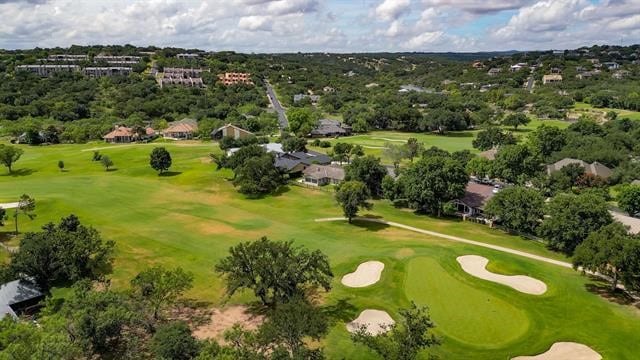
{"points": [[476, 266], [375, 321], [11, 205], [222, 320], [367, 273], [564, 351]]}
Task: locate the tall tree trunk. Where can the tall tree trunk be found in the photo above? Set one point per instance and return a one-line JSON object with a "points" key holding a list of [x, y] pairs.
{"points": [[614, 281], [15, 219]]}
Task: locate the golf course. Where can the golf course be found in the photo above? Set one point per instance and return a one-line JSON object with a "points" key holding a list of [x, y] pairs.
{"points": [[191, 215]]}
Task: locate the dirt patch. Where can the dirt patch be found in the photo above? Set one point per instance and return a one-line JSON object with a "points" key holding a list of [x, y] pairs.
{"points": [[565, 351], [404, 253], [223, 319], [476, 266]]}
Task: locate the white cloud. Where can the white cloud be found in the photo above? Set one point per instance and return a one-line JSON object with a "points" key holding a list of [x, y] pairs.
{"points": [[422, 41], [315, 25], [390, 10], [255, 22], [540, 18], [479, 6]]}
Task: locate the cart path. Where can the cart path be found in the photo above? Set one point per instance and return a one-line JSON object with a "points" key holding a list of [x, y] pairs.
{"points": [[11, 205], [457, 239]]}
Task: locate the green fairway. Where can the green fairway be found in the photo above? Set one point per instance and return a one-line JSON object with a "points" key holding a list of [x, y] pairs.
{"points": [[489, 321], [191, 216]]}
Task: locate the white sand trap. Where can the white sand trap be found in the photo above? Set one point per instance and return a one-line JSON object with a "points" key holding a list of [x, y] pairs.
{"points": [[367, 273], [11, 205], [476, 266], [375, 321], [565, 351]]}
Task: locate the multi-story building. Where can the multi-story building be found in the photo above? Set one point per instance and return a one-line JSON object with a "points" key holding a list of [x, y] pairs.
{"points": [[187, 56], [48, 70], [106, 71], [232, 78], [118, 60], [182, 81], [67, 58], [191, 77], [183, 72]]}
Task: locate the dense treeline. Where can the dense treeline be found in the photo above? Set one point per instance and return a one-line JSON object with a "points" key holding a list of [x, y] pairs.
{"points": [[446, 94]]}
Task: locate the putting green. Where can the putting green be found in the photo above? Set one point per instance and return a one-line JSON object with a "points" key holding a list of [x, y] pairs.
{"points": [[462, 312]]}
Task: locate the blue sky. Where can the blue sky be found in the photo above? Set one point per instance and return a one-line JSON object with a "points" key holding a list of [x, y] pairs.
{"points": [[316, 25]]}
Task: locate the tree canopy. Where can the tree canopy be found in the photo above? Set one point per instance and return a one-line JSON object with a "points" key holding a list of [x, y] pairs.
{"points": [[431, 182], [160, 159], [352, 196], [517, 208], [571, 218], [275, 271]]}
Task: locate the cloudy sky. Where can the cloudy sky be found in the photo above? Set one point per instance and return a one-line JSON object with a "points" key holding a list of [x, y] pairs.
{"points": [[322, 25]]}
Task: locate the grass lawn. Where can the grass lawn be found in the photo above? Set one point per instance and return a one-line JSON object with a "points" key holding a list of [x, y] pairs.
{"points": [[191, 217], [374, 142], [633, 115]]}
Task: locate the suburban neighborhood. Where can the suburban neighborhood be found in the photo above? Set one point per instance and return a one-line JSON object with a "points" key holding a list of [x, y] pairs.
{"points": [[306, 180]]}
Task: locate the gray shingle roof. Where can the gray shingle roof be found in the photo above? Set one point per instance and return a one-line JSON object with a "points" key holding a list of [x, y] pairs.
{"points": [[594, 168], [288, 161], [324, 172], [16, 292]]}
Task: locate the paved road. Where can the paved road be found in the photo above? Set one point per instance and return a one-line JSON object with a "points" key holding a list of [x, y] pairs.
{"points": [[282, 117], [530, 84]]}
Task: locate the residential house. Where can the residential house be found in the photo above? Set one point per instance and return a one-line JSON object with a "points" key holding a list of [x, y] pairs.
{"points": [[184, 129], [410, 87], [271, 148], [319, 175], [555, 70], [551, 79], [313, 98], [621, 74], [632, 223], [330, 128], [230, 130], [296, 162], [494, 71], [48, 70], [611, 65], [595, 168], [18, 298], [477, 65], [106, 71], [585, 75], [123, 134], [489, 154], [233, 78], [474, 200], [517, 67]]}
